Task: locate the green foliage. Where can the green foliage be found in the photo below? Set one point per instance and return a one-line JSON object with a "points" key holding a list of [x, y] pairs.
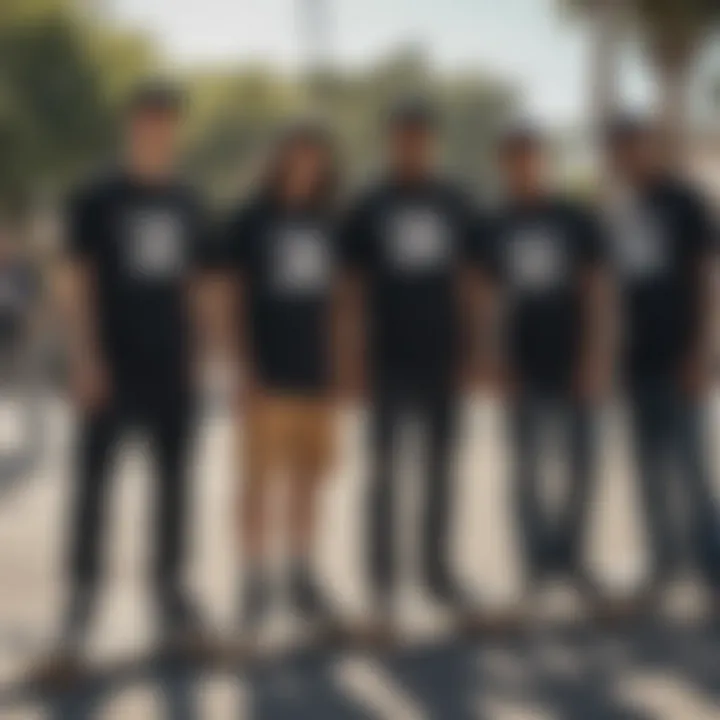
{"points": [[674, 30], [237, 114], [63, 77], [60, 80]]}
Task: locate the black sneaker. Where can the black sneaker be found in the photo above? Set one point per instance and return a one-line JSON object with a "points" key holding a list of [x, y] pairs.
{"points": [[255, 602], [306, 596], [446, 591], [181, 624], [63, 666]]}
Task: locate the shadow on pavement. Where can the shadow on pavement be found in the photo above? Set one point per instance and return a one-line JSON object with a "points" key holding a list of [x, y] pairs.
{"points": [[567, 673]]}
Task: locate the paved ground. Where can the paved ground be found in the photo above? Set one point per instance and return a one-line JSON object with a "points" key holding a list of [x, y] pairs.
{"points": [[667, 671]]}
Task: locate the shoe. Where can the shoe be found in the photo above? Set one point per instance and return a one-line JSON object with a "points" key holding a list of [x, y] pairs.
{"points": [[255, 602], [446, 591], [60, 670], [64, 664], [181, 624], [307, 598]]}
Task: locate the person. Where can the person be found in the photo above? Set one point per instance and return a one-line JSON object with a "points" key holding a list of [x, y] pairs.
{"points": [[282, 254], [664, 241], [137, 241], [405, 244], [543, 261]]}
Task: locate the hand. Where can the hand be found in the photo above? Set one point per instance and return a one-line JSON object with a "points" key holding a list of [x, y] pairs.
{"points": [[351, 385], [498, 379], [91, 386], [468, 379], [695, 377], [592, 382]]}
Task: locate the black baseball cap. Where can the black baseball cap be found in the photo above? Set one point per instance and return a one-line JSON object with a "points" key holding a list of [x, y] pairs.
{"points": [[414, 112], [522, 136], [157, 95], [305, 129]]}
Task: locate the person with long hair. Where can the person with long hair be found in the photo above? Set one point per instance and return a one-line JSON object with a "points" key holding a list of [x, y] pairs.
{"points": [[280, 248]]}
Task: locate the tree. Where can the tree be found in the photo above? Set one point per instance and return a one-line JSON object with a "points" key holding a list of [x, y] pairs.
{"points": [[674, 33], [60, 81], [236, 114], [608, 21]]}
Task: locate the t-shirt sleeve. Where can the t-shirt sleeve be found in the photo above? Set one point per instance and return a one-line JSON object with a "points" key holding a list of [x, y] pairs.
{"points": [[592, 240], [701, 229], [486, 238], [356, 236], [205, 245], [82, 229], [469, 226], [236, 238]]}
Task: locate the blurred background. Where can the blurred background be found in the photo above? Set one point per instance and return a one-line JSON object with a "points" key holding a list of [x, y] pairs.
{"points": [[66, 67]]}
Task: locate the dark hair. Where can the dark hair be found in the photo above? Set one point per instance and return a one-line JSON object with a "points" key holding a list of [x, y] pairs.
{"points": [[414, 113], [156, 96], [317, 136]]}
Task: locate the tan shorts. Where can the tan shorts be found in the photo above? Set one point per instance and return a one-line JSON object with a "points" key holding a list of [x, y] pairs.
{"points": [[289, 434]]}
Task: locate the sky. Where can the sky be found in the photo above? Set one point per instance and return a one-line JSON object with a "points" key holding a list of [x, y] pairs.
{"points": [[526, 41]]}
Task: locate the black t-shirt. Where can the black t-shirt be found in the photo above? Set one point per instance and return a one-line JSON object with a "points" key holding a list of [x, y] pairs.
{"points": [[286, 258], [538, 253], [409, 241], [659, 240], [143, 241]]}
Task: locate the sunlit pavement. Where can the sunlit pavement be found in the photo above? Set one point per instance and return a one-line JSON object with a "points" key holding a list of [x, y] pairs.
{"points": [[672, 673]]}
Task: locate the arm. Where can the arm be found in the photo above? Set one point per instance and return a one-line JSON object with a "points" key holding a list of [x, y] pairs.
{"points": [[482, 308], [89, 375], [702, 237], [349, 337], [598, 342], [349, 323]]}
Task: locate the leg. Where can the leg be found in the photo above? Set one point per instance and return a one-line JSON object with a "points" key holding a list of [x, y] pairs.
{"points": [[696, 477], [651, 416], [264, 449], [312, 452], [386, 415], [98, 437], [438, 413], [312, 457], [526, 420], [581, 429], [263, 441], [170, 434]]}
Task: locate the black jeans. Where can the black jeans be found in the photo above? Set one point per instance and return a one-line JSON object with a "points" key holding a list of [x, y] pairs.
{"points": [[166, 422], [552, 544], [671, 455], [433, 403]]}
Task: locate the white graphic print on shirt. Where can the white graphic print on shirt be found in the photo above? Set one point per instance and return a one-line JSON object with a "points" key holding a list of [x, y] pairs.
{"points": [[640, 244], [301, 261], [418, 240], [537, 259], [155, 245]]}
